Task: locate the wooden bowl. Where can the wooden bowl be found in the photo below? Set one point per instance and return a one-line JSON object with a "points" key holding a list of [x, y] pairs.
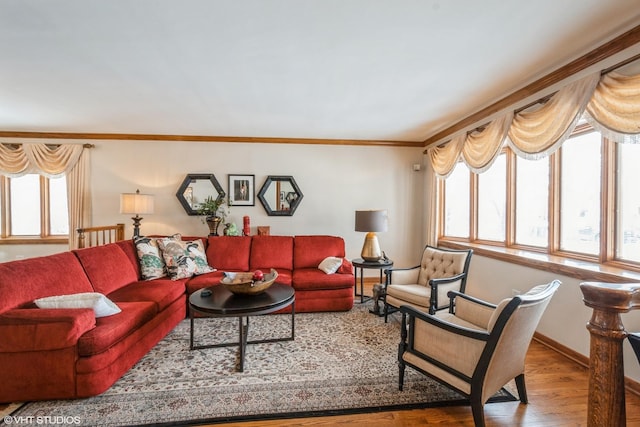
{"points": [[243, 283]]}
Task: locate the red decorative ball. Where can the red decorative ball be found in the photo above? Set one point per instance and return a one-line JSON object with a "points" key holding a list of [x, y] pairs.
{"points": [[258, 275]]}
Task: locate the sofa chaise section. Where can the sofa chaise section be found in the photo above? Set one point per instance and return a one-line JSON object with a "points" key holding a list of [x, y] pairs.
{"points": [[69, 353]]}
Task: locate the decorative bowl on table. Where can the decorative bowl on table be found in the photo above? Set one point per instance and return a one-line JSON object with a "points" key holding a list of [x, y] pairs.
{"points": [[250, 283]]}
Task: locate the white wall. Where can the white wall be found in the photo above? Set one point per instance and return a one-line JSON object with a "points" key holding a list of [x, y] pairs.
{"points": [[336, 180]]}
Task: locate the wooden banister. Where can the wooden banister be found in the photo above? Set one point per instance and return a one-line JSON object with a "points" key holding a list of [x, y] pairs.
{"points": [[606, 406], [96, 236]]}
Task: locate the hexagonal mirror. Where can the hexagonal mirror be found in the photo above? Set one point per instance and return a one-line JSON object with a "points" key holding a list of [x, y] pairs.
{"points": [[280, 195], [196, 188]]}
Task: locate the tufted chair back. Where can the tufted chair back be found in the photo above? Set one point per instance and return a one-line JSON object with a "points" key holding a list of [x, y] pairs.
{"points": [[437, 263]]}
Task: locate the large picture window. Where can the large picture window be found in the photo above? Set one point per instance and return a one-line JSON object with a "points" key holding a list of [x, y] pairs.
{"points": [[34, 208], [580, 202]]}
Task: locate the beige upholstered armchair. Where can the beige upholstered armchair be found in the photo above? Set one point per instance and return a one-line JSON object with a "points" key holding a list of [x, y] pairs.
{"points": [[476, 349], [425, 286]]}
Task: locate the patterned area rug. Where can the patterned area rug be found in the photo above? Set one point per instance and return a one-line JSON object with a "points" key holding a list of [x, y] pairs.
{"points": [[338, 363]]}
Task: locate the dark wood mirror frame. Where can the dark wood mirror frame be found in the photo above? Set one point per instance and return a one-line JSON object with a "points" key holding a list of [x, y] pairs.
{"points": [[284, 193], [192, 178]]}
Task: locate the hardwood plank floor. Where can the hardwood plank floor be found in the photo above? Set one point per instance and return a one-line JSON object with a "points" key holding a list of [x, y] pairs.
{"points": [[557, 388]]}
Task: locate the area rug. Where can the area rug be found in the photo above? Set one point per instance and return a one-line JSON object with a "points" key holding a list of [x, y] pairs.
{"points": [[339, 363]]}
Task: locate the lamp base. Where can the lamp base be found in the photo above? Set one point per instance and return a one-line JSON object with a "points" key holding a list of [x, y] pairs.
{"points": [[136, 225], [371, 249]]}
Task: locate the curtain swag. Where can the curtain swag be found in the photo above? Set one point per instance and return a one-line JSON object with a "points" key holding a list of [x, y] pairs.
{"points": [[49, 160], [611, 104], [482, 148]]}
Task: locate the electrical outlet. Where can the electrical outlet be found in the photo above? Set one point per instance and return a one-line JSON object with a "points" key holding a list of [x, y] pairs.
{"points": [[515, 292]]}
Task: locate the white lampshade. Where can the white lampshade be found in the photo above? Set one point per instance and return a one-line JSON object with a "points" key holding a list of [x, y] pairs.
{"points": [[136, 203], [370, 222]]}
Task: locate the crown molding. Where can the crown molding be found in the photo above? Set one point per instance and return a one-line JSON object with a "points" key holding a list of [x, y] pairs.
{"points": [[207, 138]]}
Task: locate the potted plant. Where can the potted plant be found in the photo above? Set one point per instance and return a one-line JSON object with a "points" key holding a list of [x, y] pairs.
{"points": [[213, 213]]}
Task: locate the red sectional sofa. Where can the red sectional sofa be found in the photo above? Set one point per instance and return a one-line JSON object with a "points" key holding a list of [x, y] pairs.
{"points": [[69, 353]]}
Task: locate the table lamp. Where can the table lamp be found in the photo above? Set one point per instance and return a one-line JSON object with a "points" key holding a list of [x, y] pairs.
{"points": [[136, 203], [371, 222]]}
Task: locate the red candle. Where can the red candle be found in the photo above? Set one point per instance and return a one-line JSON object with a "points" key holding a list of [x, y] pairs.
{"points": [[246, 229]]}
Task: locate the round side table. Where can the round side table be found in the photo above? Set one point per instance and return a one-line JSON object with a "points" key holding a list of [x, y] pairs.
{"points": [[361, 264]]}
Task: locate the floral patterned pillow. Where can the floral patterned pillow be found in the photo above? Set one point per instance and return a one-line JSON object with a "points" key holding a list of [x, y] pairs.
{"points": [[184, 259], [152, 265]]}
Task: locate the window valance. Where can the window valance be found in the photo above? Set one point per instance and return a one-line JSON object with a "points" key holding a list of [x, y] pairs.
{"points": [[611, 103], [48, 160]]}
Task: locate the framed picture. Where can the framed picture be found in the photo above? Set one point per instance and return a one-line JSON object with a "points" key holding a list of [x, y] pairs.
{"points": [[242, 190]]}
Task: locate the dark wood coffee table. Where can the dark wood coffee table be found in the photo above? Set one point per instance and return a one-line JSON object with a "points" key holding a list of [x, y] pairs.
{"points": [[222, 303]]}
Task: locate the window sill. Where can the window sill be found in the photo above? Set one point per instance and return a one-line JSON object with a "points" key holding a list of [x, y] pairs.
{"points": [[34, 241], [582, 270]]}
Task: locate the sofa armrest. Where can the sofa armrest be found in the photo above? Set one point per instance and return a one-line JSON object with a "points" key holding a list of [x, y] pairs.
{"points": [[33, 329]]}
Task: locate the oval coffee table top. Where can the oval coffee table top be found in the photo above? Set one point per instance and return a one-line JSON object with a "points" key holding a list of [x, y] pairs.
{"points": [[222, 302]]}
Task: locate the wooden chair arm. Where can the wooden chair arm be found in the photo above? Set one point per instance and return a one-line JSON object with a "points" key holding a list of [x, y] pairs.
{"points": [[455, 294]]}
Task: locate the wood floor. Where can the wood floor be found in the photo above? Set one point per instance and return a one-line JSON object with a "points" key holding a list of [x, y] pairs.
{"points": [[557, 389]]}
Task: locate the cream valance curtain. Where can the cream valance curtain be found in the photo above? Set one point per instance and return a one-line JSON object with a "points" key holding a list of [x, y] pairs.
{"points": [[481, 148], [70, 160], [538, 133], [49, 160], [614, 108], [610, 102]]}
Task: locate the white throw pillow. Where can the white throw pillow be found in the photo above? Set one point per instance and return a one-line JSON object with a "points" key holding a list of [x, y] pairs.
{"points": [[330, 264], [101, 305]]}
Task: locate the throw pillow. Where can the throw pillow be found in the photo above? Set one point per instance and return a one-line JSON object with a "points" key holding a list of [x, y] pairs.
{"points": [[184, 259], [101, 305], [330, 264], [346, 267], [152, 265]]}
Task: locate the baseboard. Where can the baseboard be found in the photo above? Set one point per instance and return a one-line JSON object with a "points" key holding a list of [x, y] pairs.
{"points": [[630, 385]]}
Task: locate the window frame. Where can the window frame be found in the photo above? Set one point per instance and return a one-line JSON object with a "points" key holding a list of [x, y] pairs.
{"points": [[45, 236], [601, 267]]}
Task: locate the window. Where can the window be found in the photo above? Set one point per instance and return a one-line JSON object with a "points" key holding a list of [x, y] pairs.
{"points": [[456, 204], [581, 202], [532, 198], [492, 201], [628, 203], [34, 208]]}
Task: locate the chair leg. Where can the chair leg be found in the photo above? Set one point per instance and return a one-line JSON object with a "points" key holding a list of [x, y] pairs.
{"points": [[401, 367], [386, 311], [522, 389], [477, 408]]}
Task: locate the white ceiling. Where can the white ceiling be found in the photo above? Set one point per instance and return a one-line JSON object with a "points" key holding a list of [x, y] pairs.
{"points": [[337, 69]]}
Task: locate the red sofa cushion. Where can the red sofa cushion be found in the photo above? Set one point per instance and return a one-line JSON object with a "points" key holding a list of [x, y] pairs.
{"points": [[309, 251], [314, 279], [271, 252], [229, 253], [108, 267], [129, 248], [34, 329], [23, 281], [111, 329], [162, 292]]}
